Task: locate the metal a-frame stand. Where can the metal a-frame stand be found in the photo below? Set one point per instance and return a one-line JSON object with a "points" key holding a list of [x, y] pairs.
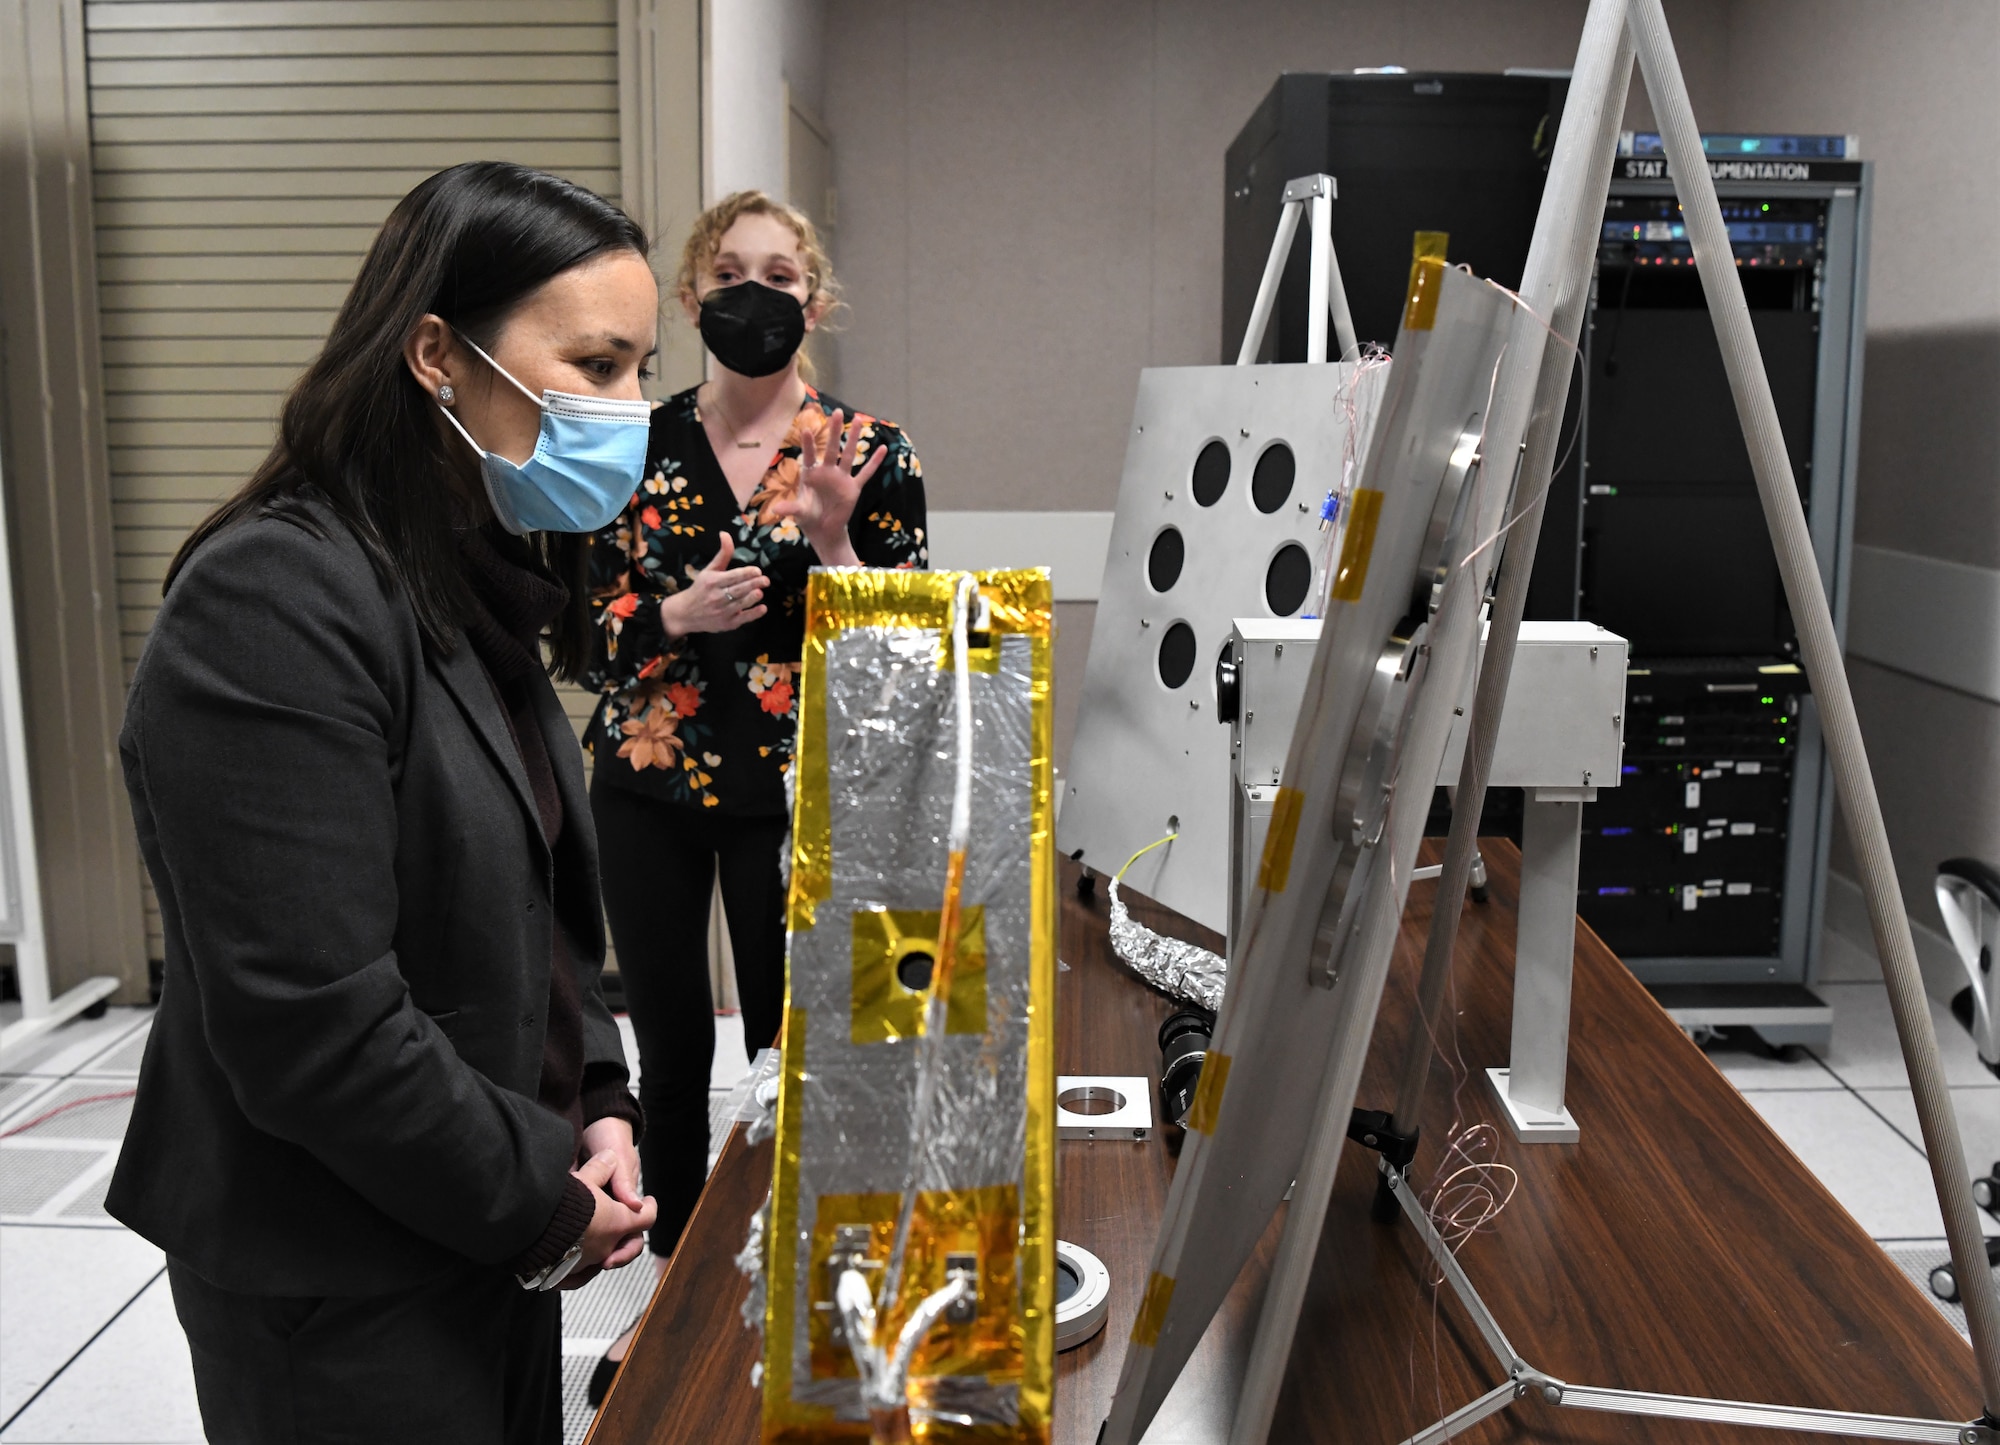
{"points": [[1325, 294], [1289, 924]]}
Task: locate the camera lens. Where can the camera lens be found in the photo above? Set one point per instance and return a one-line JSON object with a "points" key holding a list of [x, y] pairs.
{"points": [[1183, 1045]]}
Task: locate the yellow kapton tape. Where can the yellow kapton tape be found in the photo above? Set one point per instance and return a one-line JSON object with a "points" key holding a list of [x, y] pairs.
{"points": [[1276, 865], [884, 1008], [1364, 513], [1207, 1105], [1153, 1311], [983, 1222], [1426, 280]]}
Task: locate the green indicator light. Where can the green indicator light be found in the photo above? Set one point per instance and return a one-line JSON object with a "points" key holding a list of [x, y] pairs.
{"points": [[1767, 205], [1781, 740], [1766, 701]]}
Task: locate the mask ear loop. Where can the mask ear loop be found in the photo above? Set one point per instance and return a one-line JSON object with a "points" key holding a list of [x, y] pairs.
{"points": [[483, 453], [462, 431], [499, 368]]}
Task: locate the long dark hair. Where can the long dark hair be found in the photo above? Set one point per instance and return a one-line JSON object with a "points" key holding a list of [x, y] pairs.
{"points": [[360, 435]]}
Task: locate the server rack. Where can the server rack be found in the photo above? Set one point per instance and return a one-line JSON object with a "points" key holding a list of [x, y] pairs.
{"points": [[1653, 526], [1706, 870]]}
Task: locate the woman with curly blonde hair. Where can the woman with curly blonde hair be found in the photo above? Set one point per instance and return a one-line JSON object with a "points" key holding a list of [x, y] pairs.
{"points": [[753, 478]]}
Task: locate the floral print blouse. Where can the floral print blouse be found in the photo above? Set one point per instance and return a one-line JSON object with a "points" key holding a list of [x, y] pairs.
{"points": [[707, 720]]}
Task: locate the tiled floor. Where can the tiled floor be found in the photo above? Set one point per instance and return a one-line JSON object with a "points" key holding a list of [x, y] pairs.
{"points": [[1848, 1114], [90, 1350]]}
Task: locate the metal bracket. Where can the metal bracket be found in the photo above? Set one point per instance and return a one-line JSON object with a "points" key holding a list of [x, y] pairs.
{"points": [[1307, 188], [1375, 1129], [964, 1309]]}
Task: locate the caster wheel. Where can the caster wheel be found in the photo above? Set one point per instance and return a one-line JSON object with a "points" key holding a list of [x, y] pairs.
{"points": [[1944, 1284], [1986, 1192], [1086, 887], [1478, 892], [97, 1010]]}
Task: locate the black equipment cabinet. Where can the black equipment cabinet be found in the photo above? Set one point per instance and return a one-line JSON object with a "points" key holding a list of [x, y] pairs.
{"points": [[1465, 154], [1706, 868]]}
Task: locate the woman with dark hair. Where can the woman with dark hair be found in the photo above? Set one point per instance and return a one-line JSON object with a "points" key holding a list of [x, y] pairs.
{"points": [[383, 1109]]}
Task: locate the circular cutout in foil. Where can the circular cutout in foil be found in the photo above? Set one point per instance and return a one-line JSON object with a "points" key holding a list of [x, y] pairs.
{"points": [[913, 970]]}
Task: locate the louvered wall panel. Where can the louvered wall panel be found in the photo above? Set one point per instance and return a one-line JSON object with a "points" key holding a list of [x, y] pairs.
{"points": [[244, 153]]}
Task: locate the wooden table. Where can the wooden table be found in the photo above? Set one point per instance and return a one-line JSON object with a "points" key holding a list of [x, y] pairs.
{"points": [[1680, 1247]]}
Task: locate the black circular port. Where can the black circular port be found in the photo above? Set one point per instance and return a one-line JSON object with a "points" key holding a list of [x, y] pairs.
{"points": [[1163, 563], [913, 971], [1271, 482], [1177, 655], [1287, 580], [1211, 473], [1068, 1282]]}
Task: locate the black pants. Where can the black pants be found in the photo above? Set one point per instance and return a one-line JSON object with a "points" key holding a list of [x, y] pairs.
{"points": [[469, 1359], [659, 863]]}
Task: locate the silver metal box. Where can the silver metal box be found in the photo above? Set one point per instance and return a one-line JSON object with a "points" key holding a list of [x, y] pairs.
{"points": [[1562, 726]]}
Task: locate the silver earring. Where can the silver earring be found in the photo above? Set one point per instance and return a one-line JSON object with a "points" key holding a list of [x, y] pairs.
{"points": [[446, 394]]}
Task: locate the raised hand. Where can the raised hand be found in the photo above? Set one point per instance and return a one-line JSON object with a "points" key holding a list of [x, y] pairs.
{"points": [[827, 490]]}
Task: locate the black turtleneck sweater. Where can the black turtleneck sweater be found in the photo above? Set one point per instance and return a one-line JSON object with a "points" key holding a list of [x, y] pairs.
{"points": [[514, 604]]}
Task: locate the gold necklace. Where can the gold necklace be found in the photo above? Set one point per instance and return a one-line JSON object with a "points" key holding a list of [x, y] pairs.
{"points": [[735, 434]]}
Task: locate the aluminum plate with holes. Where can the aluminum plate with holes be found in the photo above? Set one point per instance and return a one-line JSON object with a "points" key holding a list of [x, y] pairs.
{"points": [[1104, 1106], [1149, 749]]}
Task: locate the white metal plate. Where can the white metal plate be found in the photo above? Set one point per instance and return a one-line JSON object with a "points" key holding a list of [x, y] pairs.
{"points": [[1130, 1116], [1282, 1033], [1145, 753]]}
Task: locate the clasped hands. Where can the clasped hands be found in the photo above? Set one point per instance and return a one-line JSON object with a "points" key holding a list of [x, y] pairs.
{"points": [[617, 1231]]}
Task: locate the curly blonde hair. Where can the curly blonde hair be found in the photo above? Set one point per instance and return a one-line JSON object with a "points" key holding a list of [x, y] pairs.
{"points": [[704, 243]]}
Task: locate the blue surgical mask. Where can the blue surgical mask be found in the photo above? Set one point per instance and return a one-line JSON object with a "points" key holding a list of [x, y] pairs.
{"points": [[586, 466]]}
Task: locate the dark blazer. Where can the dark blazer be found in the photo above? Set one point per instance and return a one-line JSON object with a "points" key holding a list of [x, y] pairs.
{"points": [[338, 1097]]}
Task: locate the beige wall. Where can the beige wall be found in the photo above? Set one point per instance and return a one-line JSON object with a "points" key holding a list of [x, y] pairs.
{"points": [[1031, 201], [754, 50], [1915, 81], [57, 496]]}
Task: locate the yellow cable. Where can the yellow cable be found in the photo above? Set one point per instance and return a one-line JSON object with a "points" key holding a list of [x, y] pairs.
{"points": [[1120, 875]]}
